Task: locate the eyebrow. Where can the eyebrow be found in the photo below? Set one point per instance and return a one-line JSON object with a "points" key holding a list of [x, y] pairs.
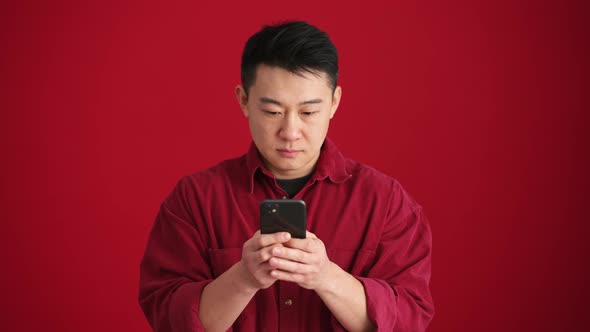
{"points": [[266, 100]]}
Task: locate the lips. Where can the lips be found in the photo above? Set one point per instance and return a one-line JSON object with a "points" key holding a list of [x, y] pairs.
{"points": [[289, 153]]}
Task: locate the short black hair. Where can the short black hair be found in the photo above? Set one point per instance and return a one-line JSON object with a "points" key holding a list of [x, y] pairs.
{"points": [[295, 46]]}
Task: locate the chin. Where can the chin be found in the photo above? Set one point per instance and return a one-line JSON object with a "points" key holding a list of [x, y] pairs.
{"points": [[288, 165]]}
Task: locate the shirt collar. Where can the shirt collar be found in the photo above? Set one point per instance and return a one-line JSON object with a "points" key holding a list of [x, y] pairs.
{"points": [[331, 164]]}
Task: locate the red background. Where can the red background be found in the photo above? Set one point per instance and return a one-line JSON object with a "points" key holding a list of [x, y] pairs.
{"points": [[478, 108]]}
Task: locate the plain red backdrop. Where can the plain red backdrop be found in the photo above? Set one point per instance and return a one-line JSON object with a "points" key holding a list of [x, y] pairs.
{"points": [[478, 108]]}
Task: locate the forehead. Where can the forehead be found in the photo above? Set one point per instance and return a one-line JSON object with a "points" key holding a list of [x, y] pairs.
{"points": [[281, 83]]}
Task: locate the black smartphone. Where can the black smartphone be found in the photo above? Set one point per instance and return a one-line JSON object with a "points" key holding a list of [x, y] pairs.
{"points": [[283, 215]]}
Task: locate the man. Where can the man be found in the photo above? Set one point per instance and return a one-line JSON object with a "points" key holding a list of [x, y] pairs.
{"points": [[365, 263]]}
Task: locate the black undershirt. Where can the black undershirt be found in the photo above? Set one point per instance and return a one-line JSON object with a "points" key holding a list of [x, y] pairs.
{"points": [[292, 186]]}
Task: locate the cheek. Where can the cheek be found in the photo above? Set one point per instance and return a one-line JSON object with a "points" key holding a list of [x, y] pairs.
{"points": [[318, 127], [261, 130], [265, 128]]}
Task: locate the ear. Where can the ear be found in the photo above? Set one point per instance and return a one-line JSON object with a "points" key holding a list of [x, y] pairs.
{"points": [[242, 99], [335, 100]]}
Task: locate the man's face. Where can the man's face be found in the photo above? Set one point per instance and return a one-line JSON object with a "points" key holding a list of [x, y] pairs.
{"points": [[289, 115]]}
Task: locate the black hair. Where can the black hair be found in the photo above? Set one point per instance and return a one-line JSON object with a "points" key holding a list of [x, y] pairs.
{"points": [[295, 46]]}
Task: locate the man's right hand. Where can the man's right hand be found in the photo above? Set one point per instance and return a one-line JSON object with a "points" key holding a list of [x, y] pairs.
{"points": [[255, 255], [223, 299]]}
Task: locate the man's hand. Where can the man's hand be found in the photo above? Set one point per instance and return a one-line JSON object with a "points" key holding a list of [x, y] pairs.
{"points": [[255, 255], [303, 261]]}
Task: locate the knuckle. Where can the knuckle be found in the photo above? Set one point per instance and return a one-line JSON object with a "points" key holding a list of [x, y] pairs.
{"points": [[319, 243], [262, 256], [315, 270], [315, 261], [300, 256]]}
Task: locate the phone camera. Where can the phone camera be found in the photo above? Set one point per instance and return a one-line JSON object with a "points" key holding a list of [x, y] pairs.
{"points": [[271, 208]]}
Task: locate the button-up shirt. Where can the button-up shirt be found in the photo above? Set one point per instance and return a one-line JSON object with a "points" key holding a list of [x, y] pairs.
{"points": [[370, 226]]}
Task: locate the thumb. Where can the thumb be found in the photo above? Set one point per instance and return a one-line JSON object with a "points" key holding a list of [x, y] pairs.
{"points": [[310, 235]]}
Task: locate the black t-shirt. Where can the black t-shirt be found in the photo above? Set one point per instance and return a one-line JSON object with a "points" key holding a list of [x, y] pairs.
{"points": [[292, 186]]}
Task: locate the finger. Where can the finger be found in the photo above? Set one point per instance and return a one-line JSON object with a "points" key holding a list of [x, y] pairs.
{"points": [[310, 235], [262, 274], [270, 239], [307, 245], [295, 255], [265, 268], [290, 266], [264, 254], [250, 242], [264, 240], [287, 276]]}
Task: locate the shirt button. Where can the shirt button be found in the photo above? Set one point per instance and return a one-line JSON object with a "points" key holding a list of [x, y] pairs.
{"points": [[284, 197], [288, 302]]}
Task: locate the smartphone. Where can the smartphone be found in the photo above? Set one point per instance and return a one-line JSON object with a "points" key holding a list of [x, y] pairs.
{"points": [[283, 215]]}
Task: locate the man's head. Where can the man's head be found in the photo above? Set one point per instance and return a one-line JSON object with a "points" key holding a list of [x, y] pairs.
{"points": [[295, 46], [289, 94]]}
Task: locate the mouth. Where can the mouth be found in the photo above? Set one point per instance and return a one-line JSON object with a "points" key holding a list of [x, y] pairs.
{"points": [[289, 153]]}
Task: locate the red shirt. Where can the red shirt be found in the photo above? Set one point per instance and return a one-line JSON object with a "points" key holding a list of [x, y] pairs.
{"points": [[370, 226]]}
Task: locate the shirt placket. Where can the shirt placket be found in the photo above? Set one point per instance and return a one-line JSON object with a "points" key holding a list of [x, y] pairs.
{"points": [[289, 306]]}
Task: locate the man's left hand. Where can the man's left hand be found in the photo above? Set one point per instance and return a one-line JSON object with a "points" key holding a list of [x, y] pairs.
{"points": [[303, 261]]}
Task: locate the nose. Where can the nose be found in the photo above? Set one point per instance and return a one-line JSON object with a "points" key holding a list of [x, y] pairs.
{"points": [[290, 127]]}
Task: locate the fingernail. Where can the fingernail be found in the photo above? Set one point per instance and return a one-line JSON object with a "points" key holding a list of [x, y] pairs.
{"points": [[277, 251], [287, 236]]}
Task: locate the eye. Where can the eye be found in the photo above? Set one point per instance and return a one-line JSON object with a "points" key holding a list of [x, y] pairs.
{"points": [[309, 113], [271, 113]]}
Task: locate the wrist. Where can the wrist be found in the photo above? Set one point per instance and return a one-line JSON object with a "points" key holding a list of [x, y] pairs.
{"points": [[240, 281], [331, 279]]}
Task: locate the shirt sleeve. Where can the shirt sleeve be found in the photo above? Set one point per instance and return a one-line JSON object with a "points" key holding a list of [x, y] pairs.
{"points": [[397, 285], [174, 269]]}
